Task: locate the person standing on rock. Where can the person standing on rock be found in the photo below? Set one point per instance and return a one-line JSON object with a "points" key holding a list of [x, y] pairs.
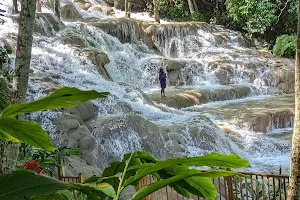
{"points": [[163, 82]]}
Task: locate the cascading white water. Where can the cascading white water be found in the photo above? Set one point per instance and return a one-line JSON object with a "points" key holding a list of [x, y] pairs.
{"points": [[138, 65]]}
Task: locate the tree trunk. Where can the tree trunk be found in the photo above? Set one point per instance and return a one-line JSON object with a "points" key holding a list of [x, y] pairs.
{"points": [[127, 15], [9, 151], [15, 7], [156, 13], [191, 6], [195, 5], [57, 8], [38, 6], [23, 53], [294, 187]]}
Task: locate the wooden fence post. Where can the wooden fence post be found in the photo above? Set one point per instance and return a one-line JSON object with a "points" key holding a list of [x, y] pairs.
{"points": [[229, 184], [60, 172], [81, 179]]}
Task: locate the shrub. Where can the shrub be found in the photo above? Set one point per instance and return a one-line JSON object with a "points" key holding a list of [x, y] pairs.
{"points": [[285, 46]]}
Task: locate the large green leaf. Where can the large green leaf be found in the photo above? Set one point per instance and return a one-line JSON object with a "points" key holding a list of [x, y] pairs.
{"points": [[95, 191], [65, 194], [28, 132], [113, 170], [145, 191], [144, 156], [24, 183], [107, 189], [62, 98], [192, 185], [196, 182], [181, 190], [213, 159]]}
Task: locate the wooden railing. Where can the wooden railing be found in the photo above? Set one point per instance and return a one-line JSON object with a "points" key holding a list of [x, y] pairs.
{"points": [[257, 186], [74, 179]]}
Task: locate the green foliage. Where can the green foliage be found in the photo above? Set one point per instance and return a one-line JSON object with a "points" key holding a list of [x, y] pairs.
{"points": [[4, 97], [173, 172], [254, 16], [63, 98], [94, 190], [47, 161], [285, 46], [4, 76], [175, 12], [30, 132], [24, 183], [5, 60], [197, 17]]}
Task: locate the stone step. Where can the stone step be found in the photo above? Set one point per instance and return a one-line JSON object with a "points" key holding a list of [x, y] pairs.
{"points": [[182, 98], [263, 115]]}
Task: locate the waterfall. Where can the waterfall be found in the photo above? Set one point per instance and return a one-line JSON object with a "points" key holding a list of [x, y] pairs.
{"points": [[207, 56]]}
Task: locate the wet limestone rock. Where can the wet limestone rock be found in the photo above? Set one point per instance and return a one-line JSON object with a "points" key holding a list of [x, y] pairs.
{"points": [[102, 9], [47, 24], [83, 4], [123, 134], [134, 90], [223, 76], [75, 39], [74, 165], [275, 118], [47, 84], [173, 68], [69, 12], [75, 135], [181, 98], [86, 111], [282, 78], [98, 58], [67, 122], [258, 115]]}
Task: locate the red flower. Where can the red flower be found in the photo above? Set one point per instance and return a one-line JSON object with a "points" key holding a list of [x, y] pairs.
{"points": [[39, 171], [33, 165]]}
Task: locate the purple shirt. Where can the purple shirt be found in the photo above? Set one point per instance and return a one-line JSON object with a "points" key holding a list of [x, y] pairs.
{"points": [[162, 77]]}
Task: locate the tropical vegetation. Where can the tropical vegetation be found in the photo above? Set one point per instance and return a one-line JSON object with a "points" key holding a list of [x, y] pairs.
{"points": [[266, 19], [119, 175]]}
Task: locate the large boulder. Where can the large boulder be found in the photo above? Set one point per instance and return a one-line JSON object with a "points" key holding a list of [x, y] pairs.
{"points": [[102, 9], [73, 38], [99, 58], [74, 165], [47, 24], [69, 12], [281, 77], [131, 89], [173, 68], [83, 4], [270, 119], [117, 135], [223, 76], [84, 111]]}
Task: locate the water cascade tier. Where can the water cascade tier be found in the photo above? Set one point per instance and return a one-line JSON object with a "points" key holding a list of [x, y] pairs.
{"points": [[225, 92]]}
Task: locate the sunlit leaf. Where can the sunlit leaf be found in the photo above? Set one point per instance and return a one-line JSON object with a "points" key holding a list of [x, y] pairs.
{"points": [[28, 132], [63, 98]]}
